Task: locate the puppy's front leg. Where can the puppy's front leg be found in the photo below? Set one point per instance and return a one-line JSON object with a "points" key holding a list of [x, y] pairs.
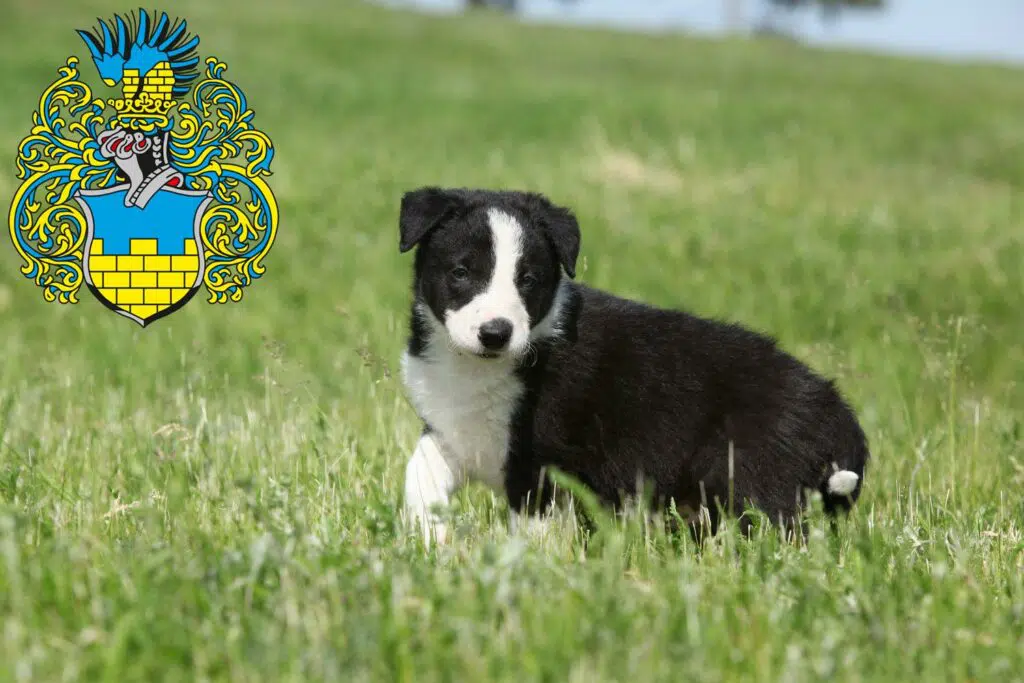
{"points": [[429, 481]]}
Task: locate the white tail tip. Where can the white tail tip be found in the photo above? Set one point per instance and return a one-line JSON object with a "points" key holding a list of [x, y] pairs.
{"points": [[842, 483]]}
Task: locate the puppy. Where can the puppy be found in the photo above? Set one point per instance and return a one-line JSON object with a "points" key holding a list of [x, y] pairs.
{"points": [[513, 368]]}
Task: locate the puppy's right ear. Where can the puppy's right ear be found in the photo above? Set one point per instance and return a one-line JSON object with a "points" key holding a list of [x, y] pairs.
{"points": [[422, 210]]}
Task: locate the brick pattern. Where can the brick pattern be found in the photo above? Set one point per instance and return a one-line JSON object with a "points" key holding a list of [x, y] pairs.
{"points": [[143, 282], [158, 82]]}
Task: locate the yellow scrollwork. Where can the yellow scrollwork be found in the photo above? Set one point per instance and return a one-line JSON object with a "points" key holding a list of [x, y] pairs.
{"points": [[50, 241], [217, 127], [237, 233], [58, 157], [216, 144]]}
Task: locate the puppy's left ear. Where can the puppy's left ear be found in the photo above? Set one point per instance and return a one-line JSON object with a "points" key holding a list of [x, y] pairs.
{"points": [[421, 212], [562, 229]]}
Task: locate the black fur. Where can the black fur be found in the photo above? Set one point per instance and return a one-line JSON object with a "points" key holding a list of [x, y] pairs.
{"points": [[628, 389], [663, 393], [450, 226]]}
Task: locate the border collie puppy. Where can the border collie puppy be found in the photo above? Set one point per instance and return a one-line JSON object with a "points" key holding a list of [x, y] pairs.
{"points": [[514, 368]]}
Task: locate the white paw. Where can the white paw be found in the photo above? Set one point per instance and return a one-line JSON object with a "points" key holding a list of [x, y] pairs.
{"points": [[425, 520], [529, 526], [428, 484]]}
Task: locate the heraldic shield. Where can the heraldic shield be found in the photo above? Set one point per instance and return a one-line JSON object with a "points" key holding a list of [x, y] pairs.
{"points": [[144, 263], [147, 198]]}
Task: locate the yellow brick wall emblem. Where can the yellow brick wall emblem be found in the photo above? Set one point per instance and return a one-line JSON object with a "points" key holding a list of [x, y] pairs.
{"points": [[158, 82], [144, 282]]}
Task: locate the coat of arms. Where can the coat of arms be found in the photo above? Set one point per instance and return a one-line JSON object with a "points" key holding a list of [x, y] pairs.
{"points": [[147, 197]]}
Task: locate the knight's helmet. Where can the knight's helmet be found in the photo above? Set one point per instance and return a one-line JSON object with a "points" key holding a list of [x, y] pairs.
{"points": [[154, 61], [144, 107]]}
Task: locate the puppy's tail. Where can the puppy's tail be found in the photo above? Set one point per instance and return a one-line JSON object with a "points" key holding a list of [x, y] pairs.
{"points": [[842, 483], [841, 489], [844, 476]]}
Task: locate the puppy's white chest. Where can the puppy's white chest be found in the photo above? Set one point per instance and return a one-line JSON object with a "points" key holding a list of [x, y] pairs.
{"points": [[469, 403]]}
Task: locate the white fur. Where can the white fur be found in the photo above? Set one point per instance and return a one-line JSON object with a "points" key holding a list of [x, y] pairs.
{"points": [[428, 484], [469, 401], [501, 297], [550, 325], [842, 483], [529, 526]]}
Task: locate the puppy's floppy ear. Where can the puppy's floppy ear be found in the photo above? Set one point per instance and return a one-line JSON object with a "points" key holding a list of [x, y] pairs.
{"points": [[562, 230], [421, 211]]}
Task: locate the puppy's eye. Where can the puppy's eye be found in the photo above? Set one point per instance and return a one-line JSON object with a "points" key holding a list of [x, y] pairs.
{"points": [[459, 273], [527, 281]]}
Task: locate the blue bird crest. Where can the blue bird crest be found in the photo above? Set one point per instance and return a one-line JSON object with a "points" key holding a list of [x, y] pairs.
{"points": [[139, 43]]}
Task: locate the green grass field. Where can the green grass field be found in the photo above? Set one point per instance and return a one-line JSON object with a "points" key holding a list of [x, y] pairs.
{"points": [[217, 497]]}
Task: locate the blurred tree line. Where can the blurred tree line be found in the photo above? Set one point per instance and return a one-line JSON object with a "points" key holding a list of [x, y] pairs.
{"points": [[829, 7], [779, 13], [508, 5], [778, 18]]}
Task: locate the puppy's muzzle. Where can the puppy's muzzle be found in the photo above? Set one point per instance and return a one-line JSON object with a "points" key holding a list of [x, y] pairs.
{"points": [[494, 335]]}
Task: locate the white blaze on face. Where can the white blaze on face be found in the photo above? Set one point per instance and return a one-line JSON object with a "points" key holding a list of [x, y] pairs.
{"points": [[501, 297]]}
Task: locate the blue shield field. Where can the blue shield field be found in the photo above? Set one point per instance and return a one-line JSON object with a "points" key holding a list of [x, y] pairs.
{"points": [[144, 263]]}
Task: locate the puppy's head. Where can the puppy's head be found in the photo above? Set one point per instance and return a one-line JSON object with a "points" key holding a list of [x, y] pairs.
{"points": [[488, 265]]}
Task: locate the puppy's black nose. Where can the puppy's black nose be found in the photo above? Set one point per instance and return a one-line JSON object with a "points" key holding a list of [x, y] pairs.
{"points": [[494, 334]]}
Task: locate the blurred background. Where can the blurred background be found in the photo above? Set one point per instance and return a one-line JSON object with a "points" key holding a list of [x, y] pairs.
{"points": [[985, 29]]}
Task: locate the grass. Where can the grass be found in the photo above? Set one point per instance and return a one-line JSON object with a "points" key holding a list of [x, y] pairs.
{"points": [[215, 498]]}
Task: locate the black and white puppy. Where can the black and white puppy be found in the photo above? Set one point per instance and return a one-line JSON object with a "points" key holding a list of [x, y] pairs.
{"points": [[514, 368]]}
